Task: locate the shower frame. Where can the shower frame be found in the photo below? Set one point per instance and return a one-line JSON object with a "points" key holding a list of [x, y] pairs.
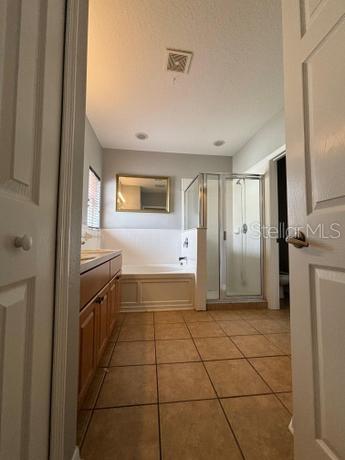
{"points": [[202, 187]]}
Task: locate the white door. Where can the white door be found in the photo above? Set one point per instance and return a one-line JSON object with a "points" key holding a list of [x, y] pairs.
{"points": [[31, 64], [314, 60]]}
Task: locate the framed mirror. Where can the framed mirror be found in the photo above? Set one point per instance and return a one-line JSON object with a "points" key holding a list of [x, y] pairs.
{"points": [[142, 193]]}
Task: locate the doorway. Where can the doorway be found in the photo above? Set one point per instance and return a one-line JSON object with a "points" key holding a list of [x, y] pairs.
{"points": [[284, 296]]}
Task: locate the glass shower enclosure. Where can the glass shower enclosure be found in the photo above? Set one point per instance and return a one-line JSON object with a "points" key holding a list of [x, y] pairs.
{"points": [[230, 207]]}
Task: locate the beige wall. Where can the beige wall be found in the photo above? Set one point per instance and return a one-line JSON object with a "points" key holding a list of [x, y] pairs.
{"points": [[268, 139], [92, 157], [174, 165]]}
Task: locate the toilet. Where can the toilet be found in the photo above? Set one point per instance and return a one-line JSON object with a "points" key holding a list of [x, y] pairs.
{"points": [[283, 281]]}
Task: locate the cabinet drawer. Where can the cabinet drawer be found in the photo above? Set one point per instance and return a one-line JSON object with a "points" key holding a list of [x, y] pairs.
{"points": [[93, 281], [115, 265]]}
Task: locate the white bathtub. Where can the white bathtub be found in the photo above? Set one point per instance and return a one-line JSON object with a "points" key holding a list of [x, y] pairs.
{"points": [[154, 269], [157, 287]]}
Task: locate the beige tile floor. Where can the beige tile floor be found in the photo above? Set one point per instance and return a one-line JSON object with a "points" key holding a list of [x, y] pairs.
{"points": [[192, 386]]}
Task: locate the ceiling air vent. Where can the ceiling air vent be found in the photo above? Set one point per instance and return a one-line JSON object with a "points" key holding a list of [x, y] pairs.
{"points": [[179, 61]]}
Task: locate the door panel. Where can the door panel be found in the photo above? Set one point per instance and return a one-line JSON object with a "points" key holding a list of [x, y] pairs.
{"points": [[325, 120], [31, 70], [112, 306], [308, 11], [16, 317], [118, 297], [87, 346], [102, 312], [314, 74], [329, 371], [21, 98]]}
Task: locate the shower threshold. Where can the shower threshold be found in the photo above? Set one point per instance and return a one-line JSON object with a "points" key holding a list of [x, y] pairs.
{"points": [[237, 304]]}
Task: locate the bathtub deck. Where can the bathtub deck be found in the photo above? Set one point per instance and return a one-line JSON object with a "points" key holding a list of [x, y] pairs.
{"points": [[157, 288]]}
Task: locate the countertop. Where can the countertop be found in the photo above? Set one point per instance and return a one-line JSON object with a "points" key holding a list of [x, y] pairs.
{"points": [[91, 258]]}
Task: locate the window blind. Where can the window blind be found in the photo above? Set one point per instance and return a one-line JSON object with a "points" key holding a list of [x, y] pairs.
{"points": [[94, 200]]}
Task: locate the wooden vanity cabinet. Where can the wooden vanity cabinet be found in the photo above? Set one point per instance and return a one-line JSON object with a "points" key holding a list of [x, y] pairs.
{"points": [[114, 302], [102, 309], [88, 337], [97, 319]]}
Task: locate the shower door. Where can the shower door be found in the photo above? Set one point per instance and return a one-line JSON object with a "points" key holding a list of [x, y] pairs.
{"points": [[240, 237]]}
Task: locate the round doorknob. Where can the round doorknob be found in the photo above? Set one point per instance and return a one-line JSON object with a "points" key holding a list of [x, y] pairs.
{"points": [[24, 242]]}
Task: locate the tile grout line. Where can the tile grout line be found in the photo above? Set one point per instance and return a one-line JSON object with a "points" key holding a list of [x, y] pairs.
{"points": [[246, 358], [100, 387], [283, 404], [257, 372], [92, 411], [217, 397], [180, 401], [157, 389], [260, 376], [242, 353]]}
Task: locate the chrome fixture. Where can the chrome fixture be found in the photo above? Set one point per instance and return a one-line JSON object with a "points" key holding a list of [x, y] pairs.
{"points": [[142, 136], [182, 259], [85, 237]]}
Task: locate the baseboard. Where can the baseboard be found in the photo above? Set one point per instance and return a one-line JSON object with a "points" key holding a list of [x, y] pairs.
{"points": [[141, 308], [76, 455]]}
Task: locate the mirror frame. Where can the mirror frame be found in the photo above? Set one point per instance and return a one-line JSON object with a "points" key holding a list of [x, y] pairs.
{"points": [[138, 176]]}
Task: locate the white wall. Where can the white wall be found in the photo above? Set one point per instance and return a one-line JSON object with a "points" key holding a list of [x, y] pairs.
{"points": [[196, 262], [93, 157], [256, 158], [268, 139]]}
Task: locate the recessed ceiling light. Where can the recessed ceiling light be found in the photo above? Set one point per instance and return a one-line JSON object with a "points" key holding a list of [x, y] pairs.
{"points": [[218, 143], [141, 136]]}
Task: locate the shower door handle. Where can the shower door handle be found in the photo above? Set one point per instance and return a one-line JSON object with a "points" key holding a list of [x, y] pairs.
{"points": [[224, 235]]}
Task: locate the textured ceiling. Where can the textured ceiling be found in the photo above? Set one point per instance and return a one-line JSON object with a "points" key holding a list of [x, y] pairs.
{"points": [[234, 86]]}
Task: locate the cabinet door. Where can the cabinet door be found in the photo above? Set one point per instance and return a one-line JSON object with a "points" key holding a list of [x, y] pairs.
{"points": [[118, 296], [112, 306], [87, 346], [102, 313]]}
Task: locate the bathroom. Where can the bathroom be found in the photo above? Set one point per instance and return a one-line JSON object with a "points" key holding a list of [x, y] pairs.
{"points": [[178, 282], [186, 296], [183, 238], [171, 188]]}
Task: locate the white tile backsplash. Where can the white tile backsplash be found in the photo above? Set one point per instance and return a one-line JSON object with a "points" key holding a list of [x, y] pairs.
{"points": [[144, 246], [91, 237]]}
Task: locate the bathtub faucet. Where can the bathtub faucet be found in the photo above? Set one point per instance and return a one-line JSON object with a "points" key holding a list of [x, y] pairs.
{"points": [[182, 260]]}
